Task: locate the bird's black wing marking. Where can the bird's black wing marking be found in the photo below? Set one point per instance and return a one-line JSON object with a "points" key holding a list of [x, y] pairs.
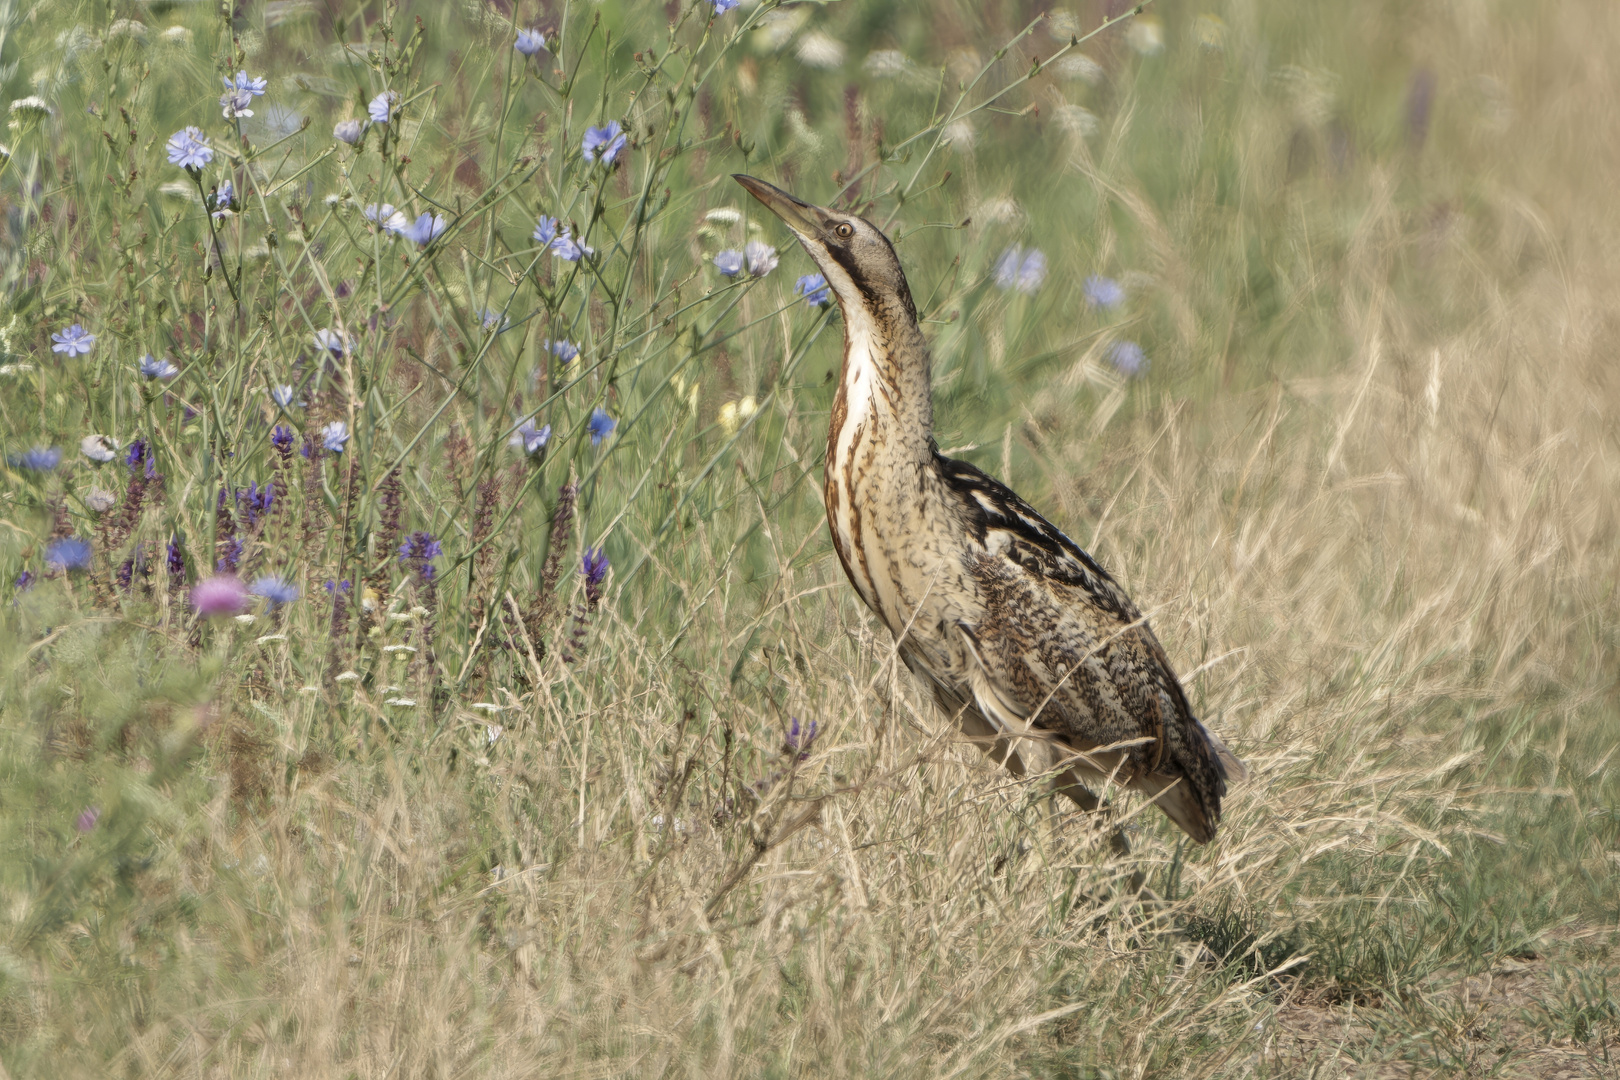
{"points": [[1037, 545]]}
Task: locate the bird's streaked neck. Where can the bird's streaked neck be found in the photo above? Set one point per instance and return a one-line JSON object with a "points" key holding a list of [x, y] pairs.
{"points": [[886, 379]]}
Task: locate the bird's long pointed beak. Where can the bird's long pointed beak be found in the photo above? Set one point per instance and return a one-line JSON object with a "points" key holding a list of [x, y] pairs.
{"points": [[795, 212]]}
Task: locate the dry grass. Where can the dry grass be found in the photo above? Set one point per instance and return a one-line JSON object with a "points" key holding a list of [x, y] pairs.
{"points": [[1387, 569]]}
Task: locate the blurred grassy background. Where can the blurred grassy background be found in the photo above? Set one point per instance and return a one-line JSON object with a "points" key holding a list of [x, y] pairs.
{"points": [[1365, 487]]}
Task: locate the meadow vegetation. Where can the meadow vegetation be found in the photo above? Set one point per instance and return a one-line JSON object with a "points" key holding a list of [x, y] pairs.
{"points": [[421, 650]]}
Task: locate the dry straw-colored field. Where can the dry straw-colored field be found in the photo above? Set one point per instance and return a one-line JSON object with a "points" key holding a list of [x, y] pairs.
{"points": [[1368, 491]]}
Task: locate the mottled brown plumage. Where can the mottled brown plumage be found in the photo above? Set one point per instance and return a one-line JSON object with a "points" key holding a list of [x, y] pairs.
{"points": [[1020, 634]]}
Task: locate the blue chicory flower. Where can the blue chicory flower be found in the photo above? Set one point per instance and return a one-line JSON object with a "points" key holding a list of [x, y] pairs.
{"points": [[530, 439], [189, 149], [330, 340], [1103, 292], [1021, 269], [425, 229], [601, 425], [566, 248], [248, 85], [603, 143], [234, 103], [723, 6], [38, 459], [153, 368], [729, 262], [391, 221], [382, 107], [73, 341], [223, 199], [334, 435], [566, 351], [813, 287], [277, 590], [761, 257], [1128, 358], [68, 553], [546, 231], [530, 42], [348, 131], [282, 395]]}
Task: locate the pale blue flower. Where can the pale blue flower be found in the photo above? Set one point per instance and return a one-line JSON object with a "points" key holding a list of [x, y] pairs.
{"points": [[189, 149], [761, 257], [253, 87], [348, 131], [234, 103], [334, 435], [39, 459], [546, 231], [729, 262], [382, 107], [424, 229], [603, 143], [223, 199], [723, 6], [69, 553], [282, 395], [1127, 358], [1102, 292], [530, 42], [493, 319], [274, 589], [813, 287], [73, 341], [530, 439], [331, 341], [1021, 269], [565, 351], [601, 425], [153, 368], [566, 248], [390, 219]]}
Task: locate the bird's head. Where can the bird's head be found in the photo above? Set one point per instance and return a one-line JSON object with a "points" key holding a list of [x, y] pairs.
{"points": [[853, 255]]}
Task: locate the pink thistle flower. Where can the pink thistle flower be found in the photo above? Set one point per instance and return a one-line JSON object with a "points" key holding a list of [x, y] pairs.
{"points": [[223, 595]]}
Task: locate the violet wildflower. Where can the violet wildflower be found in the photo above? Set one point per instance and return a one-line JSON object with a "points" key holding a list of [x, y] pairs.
{"points": [[334, 435], [417, 554], [601, 425], [1102, 292], [338, 588], [761, 257], [38, 459], [594, 567], [813, 287], [277, 590], [1127, 358], [603, 143], [1021, 269], [223, 200], [87, 818], [348, 131], [282, 395], [425, 229], [176, 560], [68, 553], [254, 502], [492, 319], [99, 448], [281, 437], [24, 582], [189, 149], [154, 368], [545, 231], [383, 107], [73, 341], [566, 351], [729, 262], [723, 6], [530, 439], [248, 84], [799, 739], [331, 341], [219, 595], [530, 42]]}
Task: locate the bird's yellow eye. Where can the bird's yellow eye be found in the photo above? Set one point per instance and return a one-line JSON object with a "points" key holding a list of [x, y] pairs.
{"points": [[844, 230]]}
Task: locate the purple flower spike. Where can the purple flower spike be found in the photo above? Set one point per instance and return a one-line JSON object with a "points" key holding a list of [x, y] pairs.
{"points": [[87, 819], [799, 739]]}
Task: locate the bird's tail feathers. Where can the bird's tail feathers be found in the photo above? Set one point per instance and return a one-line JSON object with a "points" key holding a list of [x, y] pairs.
{"points": [[1231, 766], [1176, 798]]}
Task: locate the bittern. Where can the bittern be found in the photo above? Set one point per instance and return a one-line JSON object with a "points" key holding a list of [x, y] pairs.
{"points": [[1019, 633]]}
